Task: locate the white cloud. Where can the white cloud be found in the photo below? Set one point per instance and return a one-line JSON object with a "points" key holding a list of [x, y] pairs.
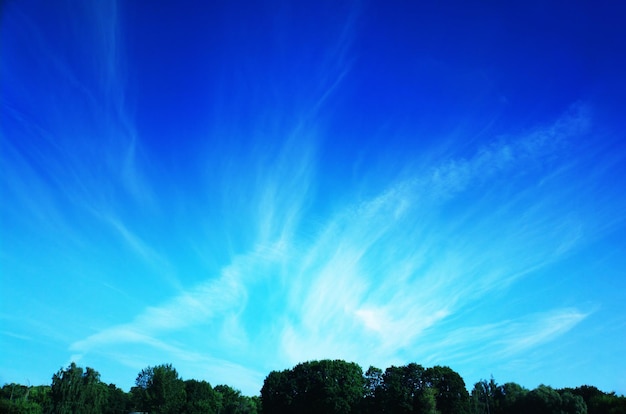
{"points": [[526, 335], [381, 277], [503, 340]]}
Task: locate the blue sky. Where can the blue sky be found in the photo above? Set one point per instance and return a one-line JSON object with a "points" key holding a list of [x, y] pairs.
{"points": [[236, 187]]}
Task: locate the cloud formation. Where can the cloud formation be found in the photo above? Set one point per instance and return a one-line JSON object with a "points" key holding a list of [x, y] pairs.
{"points": [[379, 279], [244, 244]]}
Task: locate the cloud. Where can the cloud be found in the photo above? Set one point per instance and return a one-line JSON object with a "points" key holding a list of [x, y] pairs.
{"points": [[395, 268], [267, 265], [504, 340], [546, 328], [16, 335], [203, 302], [379, 278]]}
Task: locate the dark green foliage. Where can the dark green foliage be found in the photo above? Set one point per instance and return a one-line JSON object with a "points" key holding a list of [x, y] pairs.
{"points": [[16, 398], [482, 400], [546, 400], [20, 406], [572, 404], [373, 381], [452, 396], [75, 391], [372, 394], [399, 388], [14, 392], [230, 401], [599, 402], [159, 390], [314, 387], [278, 392], [426, 401], [256, 400], [327, 386], [543, 400], [118, 401], [491, 398], [41, 395], [200, 398], [511, 398]]}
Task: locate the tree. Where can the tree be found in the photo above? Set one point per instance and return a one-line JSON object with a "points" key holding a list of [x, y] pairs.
{"points": [[278, 392], [452, 396], [118, 401], [75, 391], [543, 400], [373, 388], [572, 404], [200, 398], [22, 399], [312, 387], [425, 401], [41, 395], [400, 387], [159, 390], [511, 398], [599, 402], [232, 402], [491, 398], [329, 386], [486, 397]]}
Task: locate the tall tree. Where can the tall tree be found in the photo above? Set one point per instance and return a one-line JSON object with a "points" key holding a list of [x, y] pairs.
{"points": [[313, 387], [543, 400], [278, 392], [599, 402], [118, 402], [159, 390], [372, 391], [452, 396], [426, 401], [231, 401], [200, 398], [486, 397], [572, 404], [22, 399], [511, 398], [400, 387], [75, 391], [329, 386]]}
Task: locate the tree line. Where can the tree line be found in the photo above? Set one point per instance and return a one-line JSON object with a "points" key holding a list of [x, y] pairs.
{"points": [[326, 386]]}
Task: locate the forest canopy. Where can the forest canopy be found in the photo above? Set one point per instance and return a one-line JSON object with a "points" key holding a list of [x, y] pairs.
{"points": [[325, 386]]}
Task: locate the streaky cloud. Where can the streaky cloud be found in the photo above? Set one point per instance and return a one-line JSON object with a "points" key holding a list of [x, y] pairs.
{"points": [[362, 269], [240, 193], [380, 277], [503, 340]]}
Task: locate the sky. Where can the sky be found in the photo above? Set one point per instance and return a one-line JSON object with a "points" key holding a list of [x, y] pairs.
{"points": [[236, 187]]}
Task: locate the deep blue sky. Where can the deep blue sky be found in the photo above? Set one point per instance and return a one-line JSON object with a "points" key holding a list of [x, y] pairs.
{"points": [[236, 187]]}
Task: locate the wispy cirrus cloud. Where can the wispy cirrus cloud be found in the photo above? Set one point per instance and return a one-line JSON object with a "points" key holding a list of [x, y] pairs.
{"points": [[245, 215], [83, 143], [372, 280], [380, 278], [503, 340], [395, 265]]}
